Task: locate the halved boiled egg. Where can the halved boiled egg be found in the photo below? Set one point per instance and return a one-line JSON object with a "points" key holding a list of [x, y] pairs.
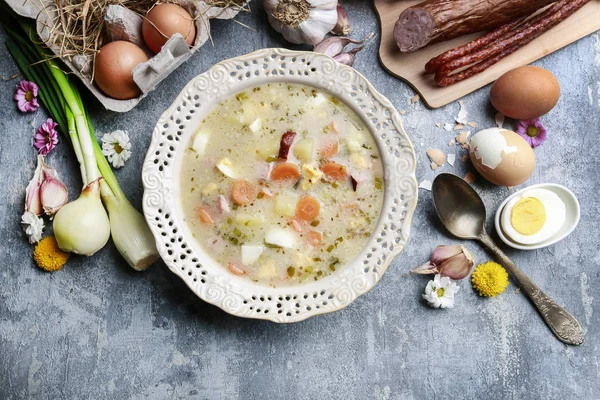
{"points": [[533, 216]]}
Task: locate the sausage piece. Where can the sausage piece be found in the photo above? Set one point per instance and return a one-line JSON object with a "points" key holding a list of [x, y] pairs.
{"points": [[498, 50], [438, 20]]}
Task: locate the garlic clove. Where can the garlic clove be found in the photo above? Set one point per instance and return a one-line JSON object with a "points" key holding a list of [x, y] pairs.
{"points": [[426, 269], [455, 262], [457, 267], [441, 253], [349, 57], [345, 58], [53, 195], [32, 193], [342, 27], [332, 46]]}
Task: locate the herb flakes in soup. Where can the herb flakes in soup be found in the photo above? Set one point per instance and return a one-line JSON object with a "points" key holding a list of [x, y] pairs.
{"points": [[282, 184]]}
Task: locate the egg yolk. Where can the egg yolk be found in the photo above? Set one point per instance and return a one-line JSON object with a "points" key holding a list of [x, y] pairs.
{"points": [[528, 216]]}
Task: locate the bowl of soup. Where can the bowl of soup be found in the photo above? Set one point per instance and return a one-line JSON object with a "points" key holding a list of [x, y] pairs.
{"points": [[279, 185]]}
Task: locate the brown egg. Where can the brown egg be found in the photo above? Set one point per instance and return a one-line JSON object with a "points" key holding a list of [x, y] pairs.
{"points": [[165, 20], [501, 156], [113, 68], [525, 92]]}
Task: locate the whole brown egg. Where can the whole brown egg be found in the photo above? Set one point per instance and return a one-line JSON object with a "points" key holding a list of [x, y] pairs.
{"points": [[113, 68], [501, 156], [165, 20], [525, 92]]}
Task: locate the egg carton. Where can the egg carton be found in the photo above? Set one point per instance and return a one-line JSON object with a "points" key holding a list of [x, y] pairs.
{"points": [[127, 26]]}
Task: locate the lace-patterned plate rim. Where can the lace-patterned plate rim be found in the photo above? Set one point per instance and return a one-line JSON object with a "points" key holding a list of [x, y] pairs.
{"points": [[186, 258]]}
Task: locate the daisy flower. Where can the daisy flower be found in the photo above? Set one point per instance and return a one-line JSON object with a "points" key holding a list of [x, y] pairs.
{"points": [[532, 131], [46, 137], [32, 226], [439, 292], [26, 96], [116, 147]]}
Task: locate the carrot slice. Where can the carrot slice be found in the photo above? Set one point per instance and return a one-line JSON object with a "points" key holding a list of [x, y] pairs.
{"points": [[329, 149], [314, 238], [308, 208], [204, 216], [235, 269], [335, 171], [285, 171], [242, 192]]}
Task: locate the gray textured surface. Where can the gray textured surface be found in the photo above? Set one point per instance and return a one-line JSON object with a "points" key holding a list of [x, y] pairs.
{"points": [[98, 330]]}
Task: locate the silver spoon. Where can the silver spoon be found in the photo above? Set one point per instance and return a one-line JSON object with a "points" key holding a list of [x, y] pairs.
{"points": [[462, 212]]}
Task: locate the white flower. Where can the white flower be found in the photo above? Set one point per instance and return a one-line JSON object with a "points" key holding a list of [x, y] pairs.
{"points": [[116, 147], [32, 226], [439, 292]]}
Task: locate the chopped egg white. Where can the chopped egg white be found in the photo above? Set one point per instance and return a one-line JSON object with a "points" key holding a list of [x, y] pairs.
{"points": [[200, 141], [256, 125], [251, 253], [282, 237]]}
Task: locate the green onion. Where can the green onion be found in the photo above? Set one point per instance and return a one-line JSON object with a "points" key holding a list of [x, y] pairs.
{"points": [[81, 226]]}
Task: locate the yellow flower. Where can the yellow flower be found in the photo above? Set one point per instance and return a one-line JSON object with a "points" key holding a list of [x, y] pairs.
{"points": [[48, 256], [489, 279]]}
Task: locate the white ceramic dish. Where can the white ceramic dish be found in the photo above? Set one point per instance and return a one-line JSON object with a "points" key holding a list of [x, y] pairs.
{"points": [[571, 220], [186, 258]]}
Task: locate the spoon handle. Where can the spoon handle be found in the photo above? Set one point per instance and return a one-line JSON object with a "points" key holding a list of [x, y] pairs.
{"points": [[564, 326]]}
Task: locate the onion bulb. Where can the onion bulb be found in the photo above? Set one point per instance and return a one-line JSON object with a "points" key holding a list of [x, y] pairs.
{"points": [[82, 226]]}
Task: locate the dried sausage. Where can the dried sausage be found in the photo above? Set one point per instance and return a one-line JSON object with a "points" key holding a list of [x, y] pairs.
{"points": [[438, 20]]}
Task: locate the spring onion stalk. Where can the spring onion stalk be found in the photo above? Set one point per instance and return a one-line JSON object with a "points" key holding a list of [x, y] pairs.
{"points": [[81, 226]]}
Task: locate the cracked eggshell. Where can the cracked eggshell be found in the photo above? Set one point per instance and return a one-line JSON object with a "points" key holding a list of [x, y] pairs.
{"points": [[501, 156]]}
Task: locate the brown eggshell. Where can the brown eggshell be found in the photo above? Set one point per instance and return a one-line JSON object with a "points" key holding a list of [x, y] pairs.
{"points": [[525, 92], [165, 20], [113, 66], [515, 167]]}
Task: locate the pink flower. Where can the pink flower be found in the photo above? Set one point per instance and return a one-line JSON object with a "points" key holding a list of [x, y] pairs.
{"points": [[532, 131], [26, 96], [46, 137]]}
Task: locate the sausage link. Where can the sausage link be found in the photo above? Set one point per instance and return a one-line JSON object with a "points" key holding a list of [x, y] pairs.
{"points": [[434, 21], [502, 48], [435, 63]]}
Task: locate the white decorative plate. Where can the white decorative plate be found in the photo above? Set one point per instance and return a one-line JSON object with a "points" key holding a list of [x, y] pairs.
{"points": [[213, 283]]}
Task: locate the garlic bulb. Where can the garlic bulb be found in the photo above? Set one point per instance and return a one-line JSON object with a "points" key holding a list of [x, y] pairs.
{"points": [[302, 21]]}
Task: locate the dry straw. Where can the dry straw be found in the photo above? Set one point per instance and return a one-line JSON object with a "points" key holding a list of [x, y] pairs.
{"points": [[77, 26]]}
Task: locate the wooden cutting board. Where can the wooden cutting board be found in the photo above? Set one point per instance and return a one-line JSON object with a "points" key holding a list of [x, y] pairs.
{"points": [[409, 66]]}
